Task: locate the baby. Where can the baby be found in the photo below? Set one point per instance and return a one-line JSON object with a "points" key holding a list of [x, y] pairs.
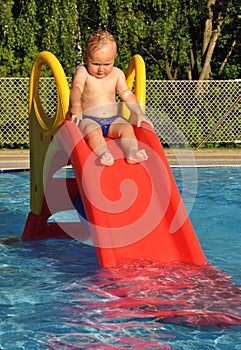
{"points": [[93, 101]]}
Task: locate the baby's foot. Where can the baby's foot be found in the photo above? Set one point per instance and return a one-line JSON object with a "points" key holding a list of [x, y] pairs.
{"points": [[107, 159], [136, 156]]}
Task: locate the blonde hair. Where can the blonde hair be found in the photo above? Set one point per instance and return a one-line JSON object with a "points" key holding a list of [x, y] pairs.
{"points": [[97, 40]]}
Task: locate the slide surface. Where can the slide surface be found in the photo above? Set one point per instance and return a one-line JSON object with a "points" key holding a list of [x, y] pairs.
{"points": [[133, 211]]}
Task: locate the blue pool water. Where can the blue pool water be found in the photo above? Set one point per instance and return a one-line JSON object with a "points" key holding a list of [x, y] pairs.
{"points": [[53, 295]]}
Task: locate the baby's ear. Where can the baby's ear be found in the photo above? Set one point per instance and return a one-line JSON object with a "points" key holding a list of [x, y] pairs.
{"points": [[85, 56]]}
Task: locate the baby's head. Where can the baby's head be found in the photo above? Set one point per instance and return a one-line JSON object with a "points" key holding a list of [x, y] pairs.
{"points": [[97, 40]]}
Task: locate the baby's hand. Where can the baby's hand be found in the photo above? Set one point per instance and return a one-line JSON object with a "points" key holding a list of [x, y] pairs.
{"points": [[76, 118], [141, 117]]}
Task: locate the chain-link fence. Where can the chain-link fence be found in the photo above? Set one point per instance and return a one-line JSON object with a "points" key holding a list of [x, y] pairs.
{"points": [[183, 112]]}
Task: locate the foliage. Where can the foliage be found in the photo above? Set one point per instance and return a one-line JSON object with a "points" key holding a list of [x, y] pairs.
{"points": [[7, 41], [178, 39]]}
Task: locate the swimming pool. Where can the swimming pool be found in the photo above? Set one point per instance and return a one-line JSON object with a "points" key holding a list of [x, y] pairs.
{"points": [[53, 295]]}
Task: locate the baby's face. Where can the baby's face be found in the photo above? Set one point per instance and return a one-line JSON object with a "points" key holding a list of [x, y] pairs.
{"points": [[101, 62]]}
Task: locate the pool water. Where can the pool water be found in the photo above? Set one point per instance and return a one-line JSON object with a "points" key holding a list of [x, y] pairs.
{"points": [[53, 295]]}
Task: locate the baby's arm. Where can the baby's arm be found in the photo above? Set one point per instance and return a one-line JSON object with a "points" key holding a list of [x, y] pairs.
{"points": [[76, 92], [130, 99]]}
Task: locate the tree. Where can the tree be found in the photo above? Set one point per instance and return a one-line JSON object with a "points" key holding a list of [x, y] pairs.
{"points": [[227, 59], [178, 39], [206, 22], [58, 21], [26, 25], [184, 37], [7, 41]]}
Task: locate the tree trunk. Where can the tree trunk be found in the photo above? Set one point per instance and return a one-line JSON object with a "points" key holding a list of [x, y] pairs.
{"points": [[205, 73], [207, 35], [227, 57], [206, 68], [167, 66], [208, 28]]}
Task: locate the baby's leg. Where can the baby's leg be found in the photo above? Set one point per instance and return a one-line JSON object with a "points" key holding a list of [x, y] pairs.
{"points": [[93, 134], [124, 130]]}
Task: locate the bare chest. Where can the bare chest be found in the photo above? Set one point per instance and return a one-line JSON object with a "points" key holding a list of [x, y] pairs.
{"points": [[104, 86]]}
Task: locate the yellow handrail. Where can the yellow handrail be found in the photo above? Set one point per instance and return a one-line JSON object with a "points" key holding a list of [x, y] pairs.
{"points": [[35, 104], [41, 127], [137, 71], [136, 75]]}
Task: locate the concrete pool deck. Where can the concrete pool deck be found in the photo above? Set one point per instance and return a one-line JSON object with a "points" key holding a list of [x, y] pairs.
{"points": [[19, 159]]}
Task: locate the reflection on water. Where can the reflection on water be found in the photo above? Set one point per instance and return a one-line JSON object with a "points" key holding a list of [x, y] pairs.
{"points": [[175, 293]]}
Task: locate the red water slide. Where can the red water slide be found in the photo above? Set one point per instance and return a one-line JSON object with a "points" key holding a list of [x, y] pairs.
{"points": [[133, 211]]}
